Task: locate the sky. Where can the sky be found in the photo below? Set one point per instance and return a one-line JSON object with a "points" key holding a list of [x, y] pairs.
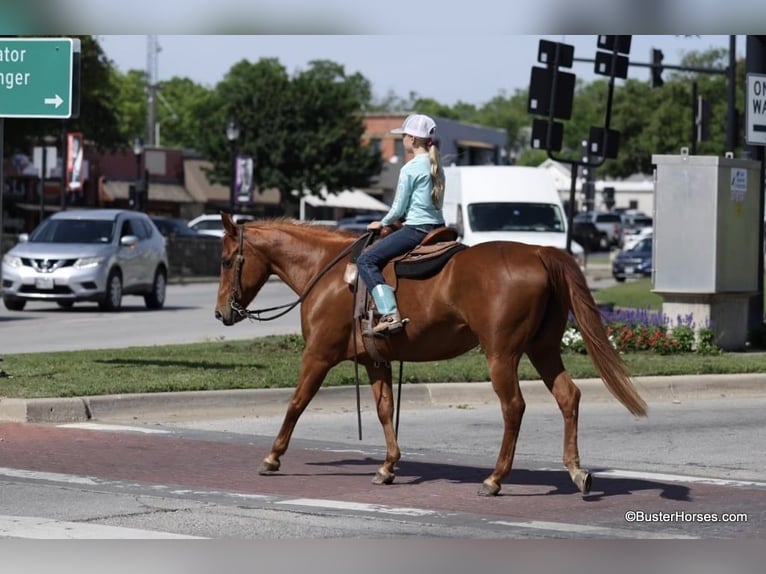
{"points": [[449, 68]]}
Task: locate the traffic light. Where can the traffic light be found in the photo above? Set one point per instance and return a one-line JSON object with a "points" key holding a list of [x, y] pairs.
{"points": [[609, 197], [657, 57], [137, 196], [551, 94]]}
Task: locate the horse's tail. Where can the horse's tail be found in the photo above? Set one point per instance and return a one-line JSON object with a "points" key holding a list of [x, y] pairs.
{"points": [[571, 287]]}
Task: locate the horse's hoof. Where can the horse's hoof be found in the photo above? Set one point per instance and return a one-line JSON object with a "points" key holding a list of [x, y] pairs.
{"points": [[583, 481], [489, 489], [268, 468], [382, 477]]}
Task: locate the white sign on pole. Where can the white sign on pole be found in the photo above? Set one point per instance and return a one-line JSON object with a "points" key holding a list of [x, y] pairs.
{"points": [[755, 100]]}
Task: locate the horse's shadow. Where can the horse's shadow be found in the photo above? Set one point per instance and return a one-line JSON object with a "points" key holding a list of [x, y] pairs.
{"points": [[416, 472]]}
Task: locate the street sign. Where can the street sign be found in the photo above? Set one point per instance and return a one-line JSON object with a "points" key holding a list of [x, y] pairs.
{"points": [[755, 100], [36, 77]]}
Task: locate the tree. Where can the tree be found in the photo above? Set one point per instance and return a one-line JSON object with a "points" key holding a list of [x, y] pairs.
{"points": [[130, 99], [304, 133], [327, 126], [178, 101]]}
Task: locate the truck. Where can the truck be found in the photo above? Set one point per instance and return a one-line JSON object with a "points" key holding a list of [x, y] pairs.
{"points": [[506, 203]]}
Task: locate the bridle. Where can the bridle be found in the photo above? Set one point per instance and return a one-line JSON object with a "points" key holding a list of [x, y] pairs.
{"points": [[236, 288]]}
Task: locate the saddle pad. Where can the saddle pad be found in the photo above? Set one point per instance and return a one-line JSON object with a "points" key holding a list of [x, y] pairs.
{"points": [[426, 261]]}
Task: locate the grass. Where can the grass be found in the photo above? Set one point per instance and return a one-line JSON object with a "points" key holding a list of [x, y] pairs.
{"points": [[272, 362], [631, 294]]}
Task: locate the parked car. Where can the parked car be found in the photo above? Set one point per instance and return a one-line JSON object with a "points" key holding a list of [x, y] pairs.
{"points": [[87, 255], [590, 236], [634, 262], [211, 224], [630, 240], [609, 223], [633, 222], [174, 227]]}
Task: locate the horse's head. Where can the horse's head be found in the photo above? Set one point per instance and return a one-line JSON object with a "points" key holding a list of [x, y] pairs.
{"points": [[244, 270]]}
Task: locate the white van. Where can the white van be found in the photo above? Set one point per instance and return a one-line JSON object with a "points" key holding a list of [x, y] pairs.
{"points": [[508, 203]]}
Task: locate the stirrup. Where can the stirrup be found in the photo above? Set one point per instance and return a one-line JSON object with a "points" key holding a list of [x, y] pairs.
{"points": [[389, 324]]}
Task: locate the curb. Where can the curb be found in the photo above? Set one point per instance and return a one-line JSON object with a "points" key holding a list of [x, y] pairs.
{"points": [[270, 402]]}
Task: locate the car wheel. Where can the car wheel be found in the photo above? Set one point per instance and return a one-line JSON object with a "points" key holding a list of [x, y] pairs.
{"points": [[14, 303], [620, 279], [66, 304], [112, 300], [156, 299]]}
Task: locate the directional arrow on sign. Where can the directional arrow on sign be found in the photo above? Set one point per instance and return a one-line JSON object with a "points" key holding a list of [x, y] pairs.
{"points": [[57, 101]]}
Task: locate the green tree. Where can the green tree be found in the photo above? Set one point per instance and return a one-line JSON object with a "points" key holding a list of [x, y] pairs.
{"points": [[178, 101], [304, 132], [130, 100], [327, 127]]}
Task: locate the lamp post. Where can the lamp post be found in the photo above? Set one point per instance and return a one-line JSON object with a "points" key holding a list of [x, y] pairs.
{"points": [[232, 134], [138, 150], [47, 140]]}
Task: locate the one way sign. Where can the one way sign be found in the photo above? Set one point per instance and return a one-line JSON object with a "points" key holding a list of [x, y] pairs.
{"points": [[755, 132]]}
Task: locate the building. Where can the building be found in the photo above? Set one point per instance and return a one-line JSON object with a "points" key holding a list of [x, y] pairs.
{"points": [[177, 185], [459, 143]]}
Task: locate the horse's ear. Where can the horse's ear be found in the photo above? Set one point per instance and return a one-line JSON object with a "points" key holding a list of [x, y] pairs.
{"points": [[228, 224]]}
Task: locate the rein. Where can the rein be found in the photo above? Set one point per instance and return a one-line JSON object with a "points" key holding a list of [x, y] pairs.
{"points": [[255, 313]]}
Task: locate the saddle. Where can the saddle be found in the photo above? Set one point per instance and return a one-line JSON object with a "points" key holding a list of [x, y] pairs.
{"points": [[421, 262]]}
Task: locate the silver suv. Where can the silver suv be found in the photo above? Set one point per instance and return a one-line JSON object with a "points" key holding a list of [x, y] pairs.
{"points": [[609, 223], [88, 255]]}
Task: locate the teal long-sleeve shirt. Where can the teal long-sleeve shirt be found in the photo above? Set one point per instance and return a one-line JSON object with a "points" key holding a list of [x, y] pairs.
{"points": [[413, 195]]}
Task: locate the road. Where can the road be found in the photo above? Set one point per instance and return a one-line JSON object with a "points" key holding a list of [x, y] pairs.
{"points": [[186, 318], [683, 472]]}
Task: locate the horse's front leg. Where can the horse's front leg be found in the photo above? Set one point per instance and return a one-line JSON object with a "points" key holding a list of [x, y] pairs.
{"points": [[380, 378], [312, 374]]}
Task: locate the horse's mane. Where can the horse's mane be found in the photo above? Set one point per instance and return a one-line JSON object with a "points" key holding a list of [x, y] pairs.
{"points": [[316, 229]]}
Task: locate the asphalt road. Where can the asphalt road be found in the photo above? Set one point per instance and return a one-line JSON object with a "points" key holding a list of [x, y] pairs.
{"points": [[186, 318], [691, 470]]}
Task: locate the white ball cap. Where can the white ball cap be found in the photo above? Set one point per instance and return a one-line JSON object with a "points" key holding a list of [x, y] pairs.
{"points": [[418, 125]]}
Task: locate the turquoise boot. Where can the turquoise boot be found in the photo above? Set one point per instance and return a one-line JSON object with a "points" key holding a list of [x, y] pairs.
{"points": [[385, 301]]}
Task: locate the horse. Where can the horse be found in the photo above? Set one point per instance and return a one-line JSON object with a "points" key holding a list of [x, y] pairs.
{"points": [[508, 298]]}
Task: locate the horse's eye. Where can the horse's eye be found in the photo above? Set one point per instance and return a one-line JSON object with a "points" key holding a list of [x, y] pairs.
{"points": [[226, 263]]}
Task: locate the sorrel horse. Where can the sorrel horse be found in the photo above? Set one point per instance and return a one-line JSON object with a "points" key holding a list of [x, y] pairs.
{"points": [[509, 298]]}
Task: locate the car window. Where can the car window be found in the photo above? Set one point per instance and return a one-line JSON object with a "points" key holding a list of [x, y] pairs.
{"points": [[209, 224], [142, 228], [507, 216], [126, 229], [643, 246], [608, 218], [73, 231]]}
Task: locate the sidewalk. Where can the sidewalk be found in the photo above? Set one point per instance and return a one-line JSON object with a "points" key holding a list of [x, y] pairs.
{"points": [[269, 402]]}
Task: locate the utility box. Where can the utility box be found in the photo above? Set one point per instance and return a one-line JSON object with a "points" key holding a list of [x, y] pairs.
{"points": [[706, 247]]}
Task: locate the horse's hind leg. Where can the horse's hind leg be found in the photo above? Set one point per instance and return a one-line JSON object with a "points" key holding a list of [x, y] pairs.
{"points": [[503, 371], [380, 378], [312, 374], [547, 361]]}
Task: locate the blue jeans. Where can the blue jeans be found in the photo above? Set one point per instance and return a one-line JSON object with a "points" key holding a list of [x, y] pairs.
{"points": [[374, 258]]}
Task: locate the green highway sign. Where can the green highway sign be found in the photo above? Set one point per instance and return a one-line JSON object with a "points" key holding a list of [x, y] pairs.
{"points": [[36, 77]]}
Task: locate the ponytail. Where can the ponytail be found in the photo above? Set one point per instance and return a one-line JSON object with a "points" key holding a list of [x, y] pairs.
{"points": [[437, 175]]}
